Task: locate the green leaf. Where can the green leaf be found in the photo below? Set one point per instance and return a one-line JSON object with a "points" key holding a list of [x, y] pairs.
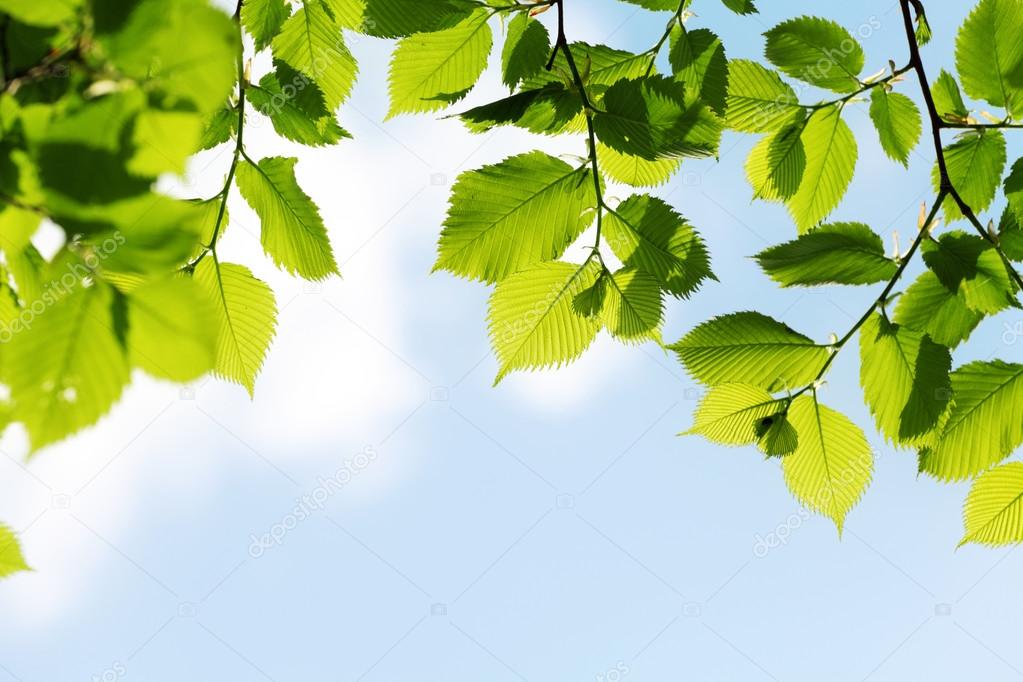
{"points": [[776, 165], [750, 348], [897, 121], [975, 163], [292, 233], [548, 109], [993, 514], [164, 140], [430, 71], [41, 12], [67, 366], [171, 329], [651, 118], [985, 424], [948, 101], [833, 464], [219, 128], [739, 414], [533, 321], [289, 119], [147, 47], [11, 559], [1010, 235], [310, 43], [399, 18], [634, 170], [698, 59], [246, 318], [830, 164], [263, 20], [929, 306], [17, 225], [603, 66], [971, 266], [1014, 189], [758, 100], [657, 5], [525, 49], [741, 6], [348, 13], [633, 309], [817, 51], [522, 211], [776, 436], [836, 253], [647, 234], [989, 53], [905, 379]]}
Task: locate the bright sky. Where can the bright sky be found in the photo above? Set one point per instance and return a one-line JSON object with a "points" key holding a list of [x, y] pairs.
{"points": [[426, 526]]}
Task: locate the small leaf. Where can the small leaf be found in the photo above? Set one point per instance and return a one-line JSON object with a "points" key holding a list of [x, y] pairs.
{"points": [[948, 101], [830, 164], [971, 266], [817, 51], [928, 306], [289, 119], [310, 43], [750, 348], [292, 232], [698, 59], [897, 121], [776, 165], [975, 162], [735, 414], [263, 20], [836, 253], [993, 514], [741, 6], [632, 310], [525, 49]]}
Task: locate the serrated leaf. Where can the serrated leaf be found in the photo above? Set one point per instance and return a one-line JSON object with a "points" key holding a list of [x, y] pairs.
{"points": [[993, 513], [948, 101], [646, 233], [1013, 187], [11, 559], [1010, 234], [905, 379], [750, 348], [830, 164], [817, 51], [525, 49], [984, 425], [548, 109], [311, 44], [399, 18], [989, 53], [776, 436], [657, 5], [533, 321], [291, 121], [975, 162], [219, 128], [67, 367], [832, 465], [835, 253], [775, 166], [522, 211], [263, 20], [698, 59], [635, 171], [246, 319], [650, 117], [737, 414], [897, 121], [971, 266], [292, 232], [632, 306], [741, 6], [171, 329], [430, 71], [758, 99], [928, 305]]}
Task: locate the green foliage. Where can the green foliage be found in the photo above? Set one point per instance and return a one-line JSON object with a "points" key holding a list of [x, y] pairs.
{"points": [[897, 121], [993, 514], [817, 51], [525, 49], [975, 162], [989, 54], [741, 414], [11, 560], [838, 253]]}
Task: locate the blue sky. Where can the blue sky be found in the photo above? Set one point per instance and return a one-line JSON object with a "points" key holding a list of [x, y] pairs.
{"points": [[552, 528]]}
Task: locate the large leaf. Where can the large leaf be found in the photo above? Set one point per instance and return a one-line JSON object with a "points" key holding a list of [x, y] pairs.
{"points": [[524, 210], [533, 319], [897, 121], [67, 367], [984, 425], [246, 318], [310, 43], [993, 514], [698, 59], [738, 414], [651, 118], [11, 560], [172, 329], [817, 51], [758, 100], [836, 253], [750, 348], [430, 71], [975, 162], [989, 54], [929, 306], [832, 465], [525, 49], [830, 164], [971, 266], [905, 379], [646, 233]]}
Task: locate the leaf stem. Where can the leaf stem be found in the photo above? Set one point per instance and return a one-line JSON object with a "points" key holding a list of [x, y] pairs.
{"points": [[675, 20]]}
